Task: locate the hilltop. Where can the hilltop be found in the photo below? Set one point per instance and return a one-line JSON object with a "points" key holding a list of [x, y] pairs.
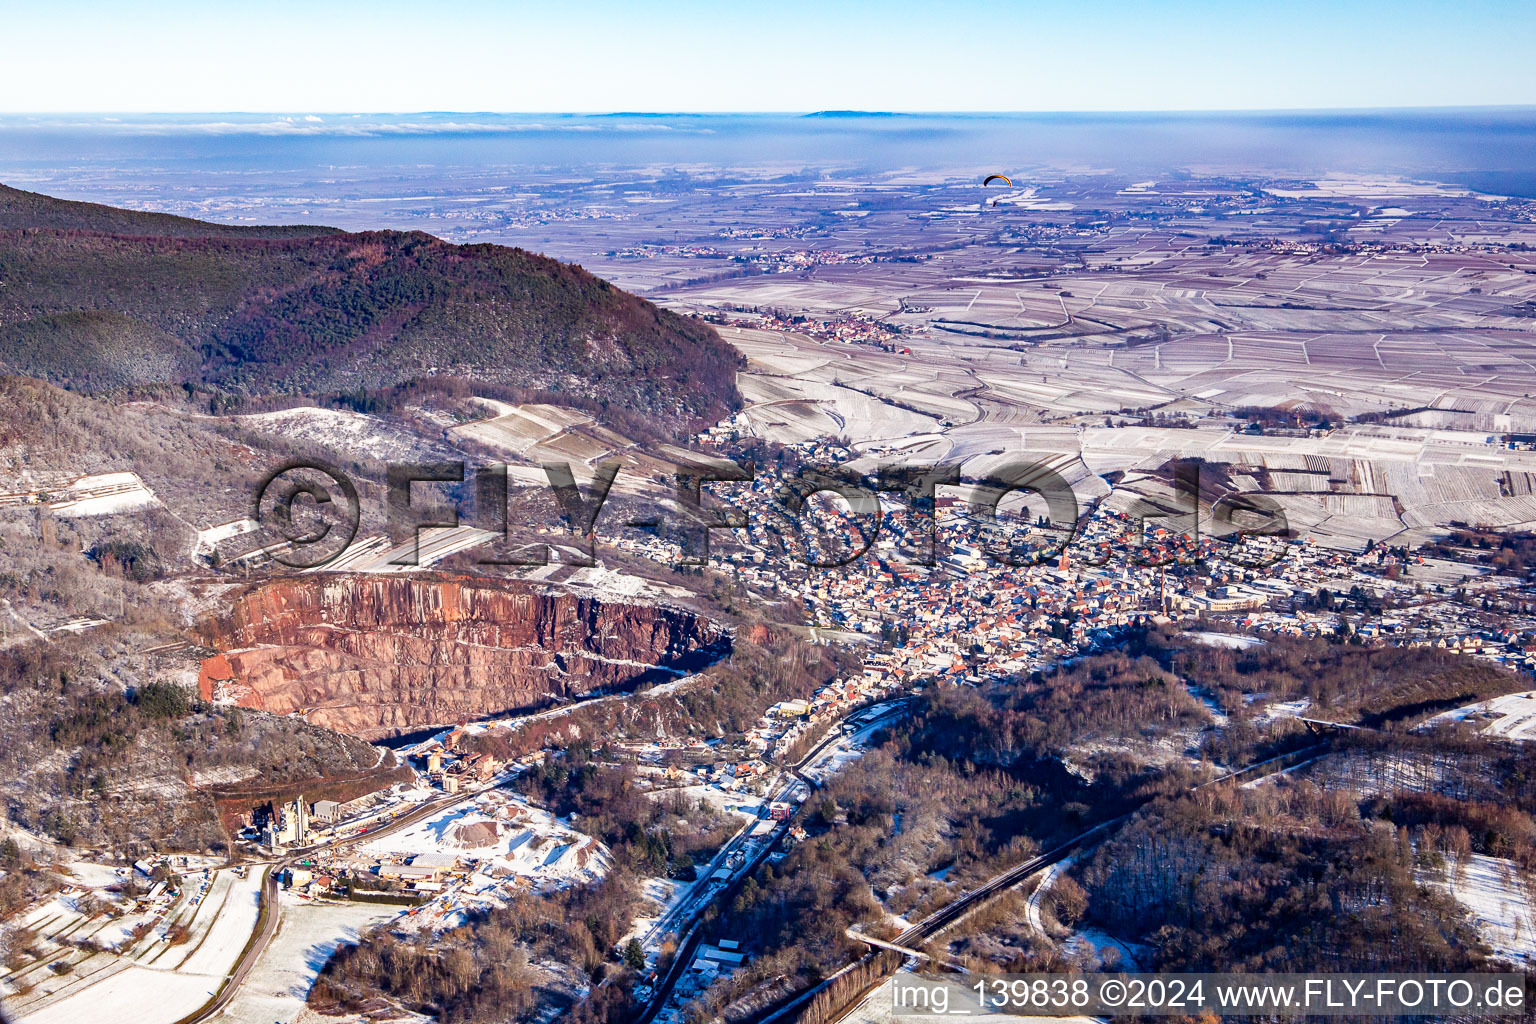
{"points": [[94, 298], [20, 210]]}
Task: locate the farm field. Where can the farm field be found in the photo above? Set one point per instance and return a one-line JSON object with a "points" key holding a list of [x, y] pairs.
{"points": [[1348, 486], [1512, 716], [118, 977], [928, 328], [308, 932], [1357, 348]]}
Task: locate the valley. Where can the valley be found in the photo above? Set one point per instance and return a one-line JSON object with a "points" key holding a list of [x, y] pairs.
{"points": [[661, 788]]}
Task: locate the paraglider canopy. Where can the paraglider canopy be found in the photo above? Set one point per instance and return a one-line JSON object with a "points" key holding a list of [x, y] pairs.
{"points": [[989, 180]]}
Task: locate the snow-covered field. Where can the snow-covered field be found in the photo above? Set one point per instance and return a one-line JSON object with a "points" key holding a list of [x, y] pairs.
{"points": [[307, 934], [148, 981], [351, 432], [210, 538], [221, 929], [103, 494], [490, 826], [1219, 718], [844, 752], [790, 410], [96, 876], [1234, 640], [1495, 897], [427, 548], [128, 994], [744, 803], [517, 428], [664, 893], [1512, 716]]}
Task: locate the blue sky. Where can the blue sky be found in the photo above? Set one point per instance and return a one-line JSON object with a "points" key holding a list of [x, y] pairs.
{"points": [[777, 56]]}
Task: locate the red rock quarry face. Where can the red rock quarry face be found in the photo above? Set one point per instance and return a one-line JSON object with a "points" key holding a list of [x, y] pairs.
{"points": [[382, 656]]}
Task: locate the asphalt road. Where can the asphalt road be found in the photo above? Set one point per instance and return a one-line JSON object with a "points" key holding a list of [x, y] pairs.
{"points": [[689, 936], [963, 904], [253, 952], [913, 936]]}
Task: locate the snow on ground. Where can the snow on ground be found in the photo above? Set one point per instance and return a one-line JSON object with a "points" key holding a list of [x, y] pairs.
{"points": [[518, 428], [15, 616], [351, 432], [517, 720], [230, 929], [109, 969], [1300, 769], [129, 994], [746, 804], [838, 758], [148, 981], [428, 547], [224, 775], [1228, 640], [119, 933], [1086, 941], [1037, 898], [1512, 716], [665, 894], [1178, 745], [617, 585], [678, 900], [1491, 890], [102, 494], [1283, 709], [787, 409], [210, 538], [95, 876], [1218, 717], [507, 841], [1104, 946], [307, 934], [41, 918], [844, 752]]}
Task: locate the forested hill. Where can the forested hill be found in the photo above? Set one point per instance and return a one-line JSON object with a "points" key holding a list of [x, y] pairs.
{"points": [[20, 209], [94, 298]]}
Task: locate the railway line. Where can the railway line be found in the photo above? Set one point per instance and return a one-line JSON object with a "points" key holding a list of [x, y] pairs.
{"points": [[973, 899], [690, 938]]}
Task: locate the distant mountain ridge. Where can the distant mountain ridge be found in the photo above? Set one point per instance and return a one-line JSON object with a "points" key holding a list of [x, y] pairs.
{"points": [[95, 298], [856, 113]]}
